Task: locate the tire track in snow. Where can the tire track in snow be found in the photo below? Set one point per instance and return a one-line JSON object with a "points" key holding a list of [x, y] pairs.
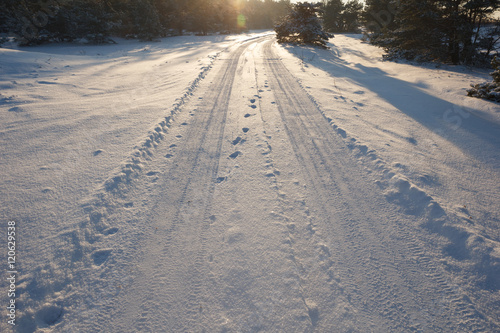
{"points": [[187, 211], [299, 273], [399, 307], [319, 291], [87, 239], [307, 151]]}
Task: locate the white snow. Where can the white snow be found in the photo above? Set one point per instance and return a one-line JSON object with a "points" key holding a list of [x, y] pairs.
{"points": [[231, 184]]}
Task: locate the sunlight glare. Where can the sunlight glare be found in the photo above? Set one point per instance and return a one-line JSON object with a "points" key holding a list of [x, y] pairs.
{"points": [[242, 21]]}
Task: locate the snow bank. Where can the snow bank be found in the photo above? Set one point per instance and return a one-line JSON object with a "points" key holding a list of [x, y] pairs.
{"points": [[436, 152]]}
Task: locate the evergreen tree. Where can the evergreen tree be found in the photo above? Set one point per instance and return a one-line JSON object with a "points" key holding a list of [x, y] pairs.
{"points": [[83, 19], [418, 36], [332, 15], [202, 14], [477, 11], [490, 90], [145, 19], [379, 15], [441, 30], [351, 15], [166, 14], [342, 17], [180, 15], [227, 16], [4, 18], [302, 26]]}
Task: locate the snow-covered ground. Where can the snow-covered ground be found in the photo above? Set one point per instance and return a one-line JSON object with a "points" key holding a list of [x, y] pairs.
{"points": [[231, 184]]}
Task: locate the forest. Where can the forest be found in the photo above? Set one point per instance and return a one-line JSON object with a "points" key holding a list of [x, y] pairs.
{"points": [[37, 21], [454, 31]]}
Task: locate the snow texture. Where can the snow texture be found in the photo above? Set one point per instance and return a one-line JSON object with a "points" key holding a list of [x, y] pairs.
{"points": [[233, 184]]}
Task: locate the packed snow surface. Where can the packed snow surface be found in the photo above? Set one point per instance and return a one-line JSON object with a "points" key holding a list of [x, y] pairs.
{"points": [[232, 184]]}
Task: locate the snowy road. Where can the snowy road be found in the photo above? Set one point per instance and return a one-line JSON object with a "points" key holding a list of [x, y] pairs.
{"points": [[251, 213], [260, 219]]}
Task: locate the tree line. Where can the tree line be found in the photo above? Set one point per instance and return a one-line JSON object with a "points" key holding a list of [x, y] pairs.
{"points": [[452, 31], [456, 31], [37, 21]]}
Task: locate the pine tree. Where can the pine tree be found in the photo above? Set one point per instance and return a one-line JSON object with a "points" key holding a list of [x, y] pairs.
{"points": [[342, 17], [145, 20], [379, 15], [227, 16], [419, 34], [351, 15], [441, 30], [87, 19], [490, 90], [302, 26], [332, 15]]}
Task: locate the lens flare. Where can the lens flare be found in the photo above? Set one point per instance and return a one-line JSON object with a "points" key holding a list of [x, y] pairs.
{"points": [[242, 21]]}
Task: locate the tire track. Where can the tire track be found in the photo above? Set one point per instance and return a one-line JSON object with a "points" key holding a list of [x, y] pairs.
{"points": [[381, 279], [319, 291], [184, 209], [314, 163], [299, 272]]}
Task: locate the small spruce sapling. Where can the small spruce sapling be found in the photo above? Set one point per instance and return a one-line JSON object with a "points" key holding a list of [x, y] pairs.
{"points": [[488, 90]]}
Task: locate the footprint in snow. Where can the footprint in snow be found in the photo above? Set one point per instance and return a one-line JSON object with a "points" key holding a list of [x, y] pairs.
{"points": [[236, 141], [97, 152], [101, 256], [49, 315], [110, 231], [253, 106], [245, 129], [413, 141], [235, 154], [46, 82], [342, 132], [252, 101], [313, 311]]}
